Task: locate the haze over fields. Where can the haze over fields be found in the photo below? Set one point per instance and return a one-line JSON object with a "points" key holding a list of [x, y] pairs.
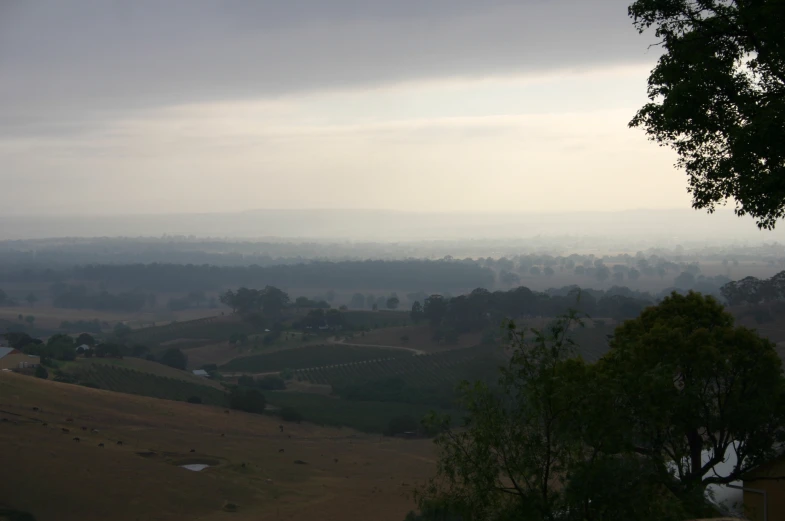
{"points": [[399, 260]]}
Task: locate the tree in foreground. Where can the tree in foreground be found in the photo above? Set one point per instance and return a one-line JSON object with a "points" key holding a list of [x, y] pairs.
{"points": [[559, 439], [717, 97], [693, 388]]}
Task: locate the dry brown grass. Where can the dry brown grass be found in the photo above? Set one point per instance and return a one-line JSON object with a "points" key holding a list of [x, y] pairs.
{"points": [[46, 473]]}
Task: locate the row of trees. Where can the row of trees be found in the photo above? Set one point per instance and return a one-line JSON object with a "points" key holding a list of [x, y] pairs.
{"points": [[481, 308], [637, 435], [410, 275], [78, 296], [751, 290]]}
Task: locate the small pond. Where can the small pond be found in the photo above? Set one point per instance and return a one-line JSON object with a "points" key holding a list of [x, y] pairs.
{"points": [[196, 467]]}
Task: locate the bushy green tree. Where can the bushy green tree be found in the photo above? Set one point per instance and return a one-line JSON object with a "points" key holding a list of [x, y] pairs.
{"points": [[247, 399], [620, 439], [173, 357], [717, 97]]}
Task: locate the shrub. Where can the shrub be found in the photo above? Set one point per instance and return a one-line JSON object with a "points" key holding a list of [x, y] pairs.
{"points": [[402, 424], [248, 400], [41, 372], [194, 399], [173, 357], [271, 383], [290, 414]]}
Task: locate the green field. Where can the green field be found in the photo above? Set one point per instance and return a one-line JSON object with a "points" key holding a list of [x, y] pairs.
{"points": [[361, 415], [311, 356], [376, 319], [191, 333], [447, 367], [130, 381]]}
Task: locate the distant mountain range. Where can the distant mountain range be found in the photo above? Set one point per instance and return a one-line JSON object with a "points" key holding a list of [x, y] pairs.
{"points": [[385, 225]]}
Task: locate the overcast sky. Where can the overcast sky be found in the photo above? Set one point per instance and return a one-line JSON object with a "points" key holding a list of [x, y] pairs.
{"points": [[117, 106]]}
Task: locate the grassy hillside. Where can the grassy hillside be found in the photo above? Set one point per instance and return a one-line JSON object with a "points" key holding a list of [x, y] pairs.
{"points": [[144, 366], [191, 333], [141, 478], [310, 356]]}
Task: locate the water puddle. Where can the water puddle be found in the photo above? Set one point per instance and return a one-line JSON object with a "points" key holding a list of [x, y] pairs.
{"points": [[196, 467]]}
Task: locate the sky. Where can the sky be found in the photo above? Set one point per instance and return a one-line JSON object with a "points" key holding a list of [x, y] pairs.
{"points": [[118, 107]]}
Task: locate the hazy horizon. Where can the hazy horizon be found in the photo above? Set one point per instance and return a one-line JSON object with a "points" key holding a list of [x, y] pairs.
{"points": [[653, 227]]}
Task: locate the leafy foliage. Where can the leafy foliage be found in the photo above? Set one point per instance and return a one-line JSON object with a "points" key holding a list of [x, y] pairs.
{"points": [[718, 99], [173, 357], [635, 436]]}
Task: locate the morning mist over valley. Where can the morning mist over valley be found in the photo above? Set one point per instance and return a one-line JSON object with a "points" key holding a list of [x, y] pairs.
{"points": [[406, 261]]}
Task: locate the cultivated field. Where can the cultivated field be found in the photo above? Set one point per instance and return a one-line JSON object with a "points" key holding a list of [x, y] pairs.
{"points": [[50, 317], [53, 477], [310, 356], [417, 337], [446, 367]]}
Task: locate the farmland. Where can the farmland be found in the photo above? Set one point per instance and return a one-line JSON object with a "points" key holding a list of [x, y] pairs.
{"points": [[130, 381], [365, 416], [253, 461], [191, 333], [445, 367], [310, 356]]}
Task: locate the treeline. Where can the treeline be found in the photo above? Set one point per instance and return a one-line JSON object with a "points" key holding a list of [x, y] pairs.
{"points": [[411, 275], [751, 290], [79, 297], [482, 309]]}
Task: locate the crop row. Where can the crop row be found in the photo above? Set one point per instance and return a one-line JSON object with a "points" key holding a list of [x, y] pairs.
{"points": [[311, 356], [446, 367], [123, 380]]}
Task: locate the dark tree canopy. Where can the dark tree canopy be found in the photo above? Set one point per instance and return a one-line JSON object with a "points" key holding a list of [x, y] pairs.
{"points": [[173, 357], [717, 97]]}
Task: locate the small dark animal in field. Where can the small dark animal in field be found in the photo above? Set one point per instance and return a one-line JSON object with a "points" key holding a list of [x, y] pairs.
{"points": [[193, 450], [119, 442], [281, 427], [280, 450], [94, 431], [336, 460], [45, 424], [64, 429], [222, 435], [100, 444], [77, 439], [36, 409], [84, 428], [300, 462], [69, 419], [289, 436]]}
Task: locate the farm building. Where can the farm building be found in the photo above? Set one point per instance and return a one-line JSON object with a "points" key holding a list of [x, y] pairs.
{"points": [[82, 348], [11, 358], [201, 372], [764, 490]]}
